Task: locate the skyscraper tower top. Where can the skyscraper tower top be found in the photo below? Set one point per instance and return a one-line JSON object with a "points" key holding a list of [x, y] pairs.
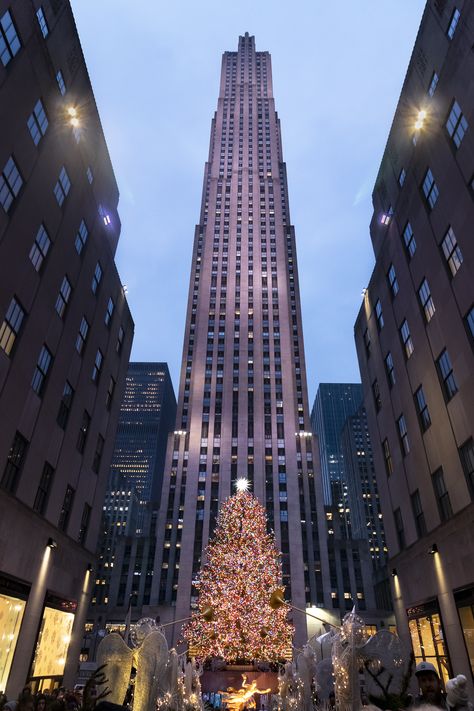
{"points": [[243, 405]]}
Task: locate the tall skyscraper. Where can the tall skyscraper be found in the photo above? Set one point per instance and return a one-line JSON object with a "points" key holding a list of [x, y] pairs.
{"points": [[147, 416], [243, 405], [65, 339], [333, 404], [415, 342]]}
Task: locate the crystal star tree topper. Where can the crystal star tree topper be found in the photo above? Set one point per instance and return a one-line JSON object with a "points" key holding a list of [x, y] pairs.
{"points": [[242, 570]]}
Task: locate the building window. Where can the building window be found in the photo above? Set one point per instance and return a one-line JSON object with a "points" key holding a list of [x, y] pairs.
{"points": [[387, 216], [445, 370], [456, 125], [10, 184], [63, 297], [98, 454], [66, 508], [442, 495], [15, 461], [427, 638], [85, 518], [406, 339], [401, 177], [65, 405], [83, 431], [430, 189], [81, 237], [61, 83], [469, 321], [42, 22], [426, 300], [37, 122], [453, 23], [96, 278], [11, 325], [418, 514], [403, 434], [62, 187], [367, 342], [120, 340], [97, 365], [40, 248], [409, 240], [82, 335], [466, 452], [392, 280], [109, 312], [390, 369], [110, 393], [376, 394], [379, 315], [9, 40], [42, 494], [41, 371], [90, 174], [397, 515], [451, 251], [422, 409], [433, 84], [387, 457]]}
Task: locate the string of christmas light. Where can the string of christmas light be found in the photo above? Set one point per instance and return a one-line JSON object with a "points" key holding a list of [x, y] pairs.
{"points": [[243, 568]]}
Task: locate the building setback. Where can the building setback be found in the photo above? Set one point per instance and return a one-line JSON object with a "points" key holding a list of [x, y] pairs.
{"points": [[65, 339], [242, 406], [415, 339]]}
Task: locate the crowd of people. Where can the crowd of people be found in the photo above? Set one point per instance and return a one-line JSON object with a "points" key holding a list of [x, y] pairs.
{"points": [[431, 697]]}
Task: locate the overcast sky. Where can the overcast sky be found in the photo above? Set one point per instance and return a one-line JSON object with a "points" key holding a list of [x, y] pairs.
{"points": [[338, 68]]}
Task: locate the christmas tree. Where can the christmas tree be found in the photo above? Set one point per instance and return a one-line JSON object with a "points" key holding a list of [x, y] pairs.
{"points": [[242, 570]]}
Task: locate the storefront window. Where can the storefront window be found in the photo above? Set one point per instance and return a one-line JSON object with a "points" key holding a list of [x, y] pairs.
{"points": [[427, 638], [11, 615], [465, 604], [52, 645]]}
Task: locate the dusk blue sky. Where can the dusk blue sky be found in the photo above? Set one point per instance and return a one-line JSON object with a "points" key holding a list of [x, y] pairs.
{"points": [[338, 68]]}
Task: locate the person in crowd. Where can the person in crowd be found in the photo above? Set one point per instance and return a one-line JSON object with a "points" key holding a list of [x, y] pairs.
{"points": [[3, 700], [431, 691], [456, 694], [26, 701], [40, 702]]}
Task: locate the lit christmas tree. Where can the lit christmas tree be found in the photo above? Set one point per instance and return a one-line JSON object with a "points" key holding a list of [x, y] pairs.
{"points": [[242, 570]]}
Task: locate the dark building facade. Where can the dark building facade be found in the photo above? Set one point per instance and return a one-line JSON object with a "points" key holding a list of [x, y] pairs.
{"points": [[333, 404], [65, 339], [147, 416], [415, 340], [243, 406]]}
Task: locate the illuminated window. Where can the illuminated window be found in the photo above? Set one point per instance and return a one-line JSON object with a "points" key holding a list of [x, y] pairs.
{"points": [[427, 639], [406, 339], [11, 614], [11, 326]]}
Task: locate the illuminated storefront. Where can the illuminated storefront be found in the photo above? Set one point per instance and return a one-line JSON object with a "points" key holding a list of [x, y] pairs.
{"points": [[13, 596], [53, 643], [465, 604], [427, 637]]}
